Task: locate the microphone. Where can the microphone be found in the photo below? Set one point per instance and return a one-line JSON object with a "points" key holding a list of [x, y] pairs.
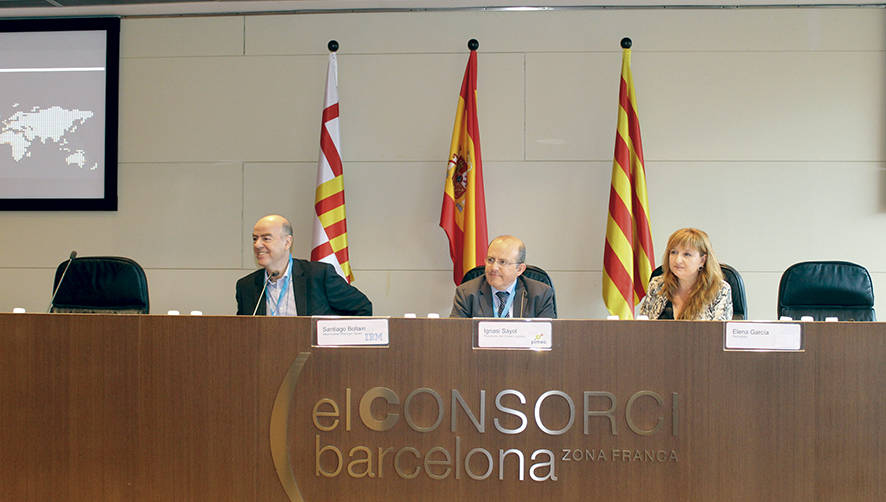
{"points": [[272, 275], [62, 278]]}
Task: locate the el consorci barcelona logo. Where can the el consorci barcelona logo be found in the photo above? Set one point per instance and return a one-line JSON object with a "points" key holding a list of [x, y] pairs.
{"points": [[348, 422]]}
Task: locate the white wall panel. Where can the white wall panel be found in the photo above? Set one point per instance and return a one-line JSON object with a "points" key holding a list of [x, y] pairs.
{"points": [[765, 127], [572, 106], [209, 291], [269, 108], [183, 36], [879, 280], [394, 214], [170, 215], [29, 288], [396, 292], [390, 33], [178, 216], [574, 30], [768, 216], [710, 105], [762, 106], [220, 108], [557, 208], [579, 294], [761, 289], [59, 233], [402, 107]]}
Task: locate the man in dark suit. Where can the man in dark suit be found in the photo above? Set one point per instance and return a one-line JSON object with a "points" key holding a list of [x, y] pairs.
{"points": [[294, 287], [502, 291]]}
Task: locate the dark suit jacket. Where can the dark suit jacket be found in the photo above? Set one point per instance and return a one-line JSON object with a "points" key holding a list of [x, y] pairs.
{"points": [[531, 299], [318, 290]]}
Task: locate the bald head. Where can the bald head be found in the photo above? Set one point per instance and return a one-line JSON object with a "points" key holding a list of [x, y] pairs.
{"points": [[512, 242], [276, 219], [505, 261], [272, 243]]}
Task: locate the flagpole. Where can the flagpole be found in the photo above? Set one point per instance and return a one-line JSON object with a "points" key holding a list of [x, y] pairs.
{"points": [[463, 213], [628, 257], [330, 233]]}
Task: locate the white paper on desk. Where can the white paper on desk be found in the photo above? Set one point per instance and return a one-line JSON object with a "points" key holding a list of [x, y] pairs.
{"points": [[351, 331], [532, 335], [763, 336]]}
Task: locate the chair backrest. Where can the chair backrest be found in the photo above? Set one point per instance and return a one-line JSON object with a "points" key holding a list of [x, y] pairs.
{"points": [[101, 284], [739, 297], [826, 289], [532, 272]]}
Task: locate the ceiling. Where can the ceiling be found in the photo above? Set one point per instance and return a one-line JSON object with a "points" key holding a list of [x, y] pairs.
{"points": [[43, 8]]}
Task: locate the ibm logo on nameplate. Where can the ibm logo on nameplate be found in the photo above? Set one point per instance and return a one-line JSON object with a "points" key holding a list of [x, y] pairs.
{"points": [[351, 332]]}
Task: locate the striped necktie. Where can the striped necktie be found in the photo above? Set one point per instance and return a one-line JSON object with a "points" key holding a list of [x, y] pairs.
{"points": [[502, 301]]}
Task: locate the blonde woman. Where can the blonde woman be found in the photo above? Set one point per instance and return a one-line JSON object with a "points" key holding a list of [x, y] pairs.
{"points": [[691, 286]]}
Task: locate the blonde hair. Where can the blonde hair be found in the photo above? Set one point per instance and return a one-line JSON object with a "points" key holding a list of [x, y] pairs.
{"points": [[707, 285]]}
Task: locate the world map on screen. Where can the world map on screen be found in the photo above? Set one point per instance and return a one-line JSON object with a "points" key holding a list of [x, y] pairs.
{"points": [[50, 127]]}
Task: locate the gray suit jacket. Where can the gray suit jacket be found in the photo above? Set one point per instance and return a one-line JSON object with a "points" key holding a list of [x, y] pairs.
{"points": [[531, 299]]}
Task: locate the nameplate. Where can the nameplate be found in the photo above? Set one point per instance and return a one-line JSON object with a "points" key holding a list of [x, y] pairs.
{"points": [[526, 335], [763, 336], [351, 332]]}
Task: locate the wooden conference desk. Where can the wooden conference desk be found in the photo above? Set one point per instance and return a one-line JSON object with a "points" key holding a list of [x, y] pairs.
{"points": [[137, 408]]}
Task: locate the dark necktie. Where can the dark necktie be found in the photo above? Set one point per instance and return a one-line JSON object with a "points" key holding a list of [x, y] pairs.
{"points": [[502, 301]]}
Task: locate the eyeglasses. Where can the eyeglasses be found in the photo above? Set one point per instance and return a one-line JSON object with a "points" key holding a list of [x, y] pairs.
{"points": [[501, 263]]}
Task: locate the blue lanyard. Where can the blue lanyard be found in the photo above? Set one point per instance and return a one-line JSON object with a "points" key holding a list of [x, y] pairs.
{"points": [[276, 307], [506, 312]]}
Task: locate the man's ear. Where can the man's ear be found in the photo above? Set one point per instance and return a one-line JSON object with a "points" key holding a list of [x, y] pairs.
{"points": [[520, 269]]}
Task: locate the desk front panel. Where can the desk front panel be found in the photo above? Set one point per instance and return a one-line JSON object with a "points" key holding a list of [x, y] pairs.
{"points": [[135, 408]]}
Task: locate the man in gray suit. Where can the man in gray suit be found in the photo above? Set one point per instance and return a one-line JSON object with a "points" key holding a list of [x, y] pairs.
{"points": [[501, 291]]}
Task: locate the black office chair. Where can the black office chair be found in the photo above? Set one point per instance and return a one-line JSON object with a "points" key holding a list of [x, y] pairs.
{"points": [[532, 272], [101, 284], [826, 289], [739, 298]]}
